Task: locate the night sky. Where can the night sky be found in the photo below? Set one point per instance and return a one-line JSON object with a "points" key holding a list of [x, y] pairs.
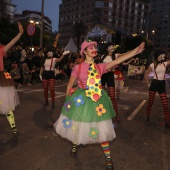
{"points": [[51, 9]]}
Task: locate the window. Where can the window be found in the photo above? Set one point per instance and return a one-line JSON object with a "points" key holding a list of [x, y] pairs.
{"points": [[110, 19], [99, 4], [110, 5]]}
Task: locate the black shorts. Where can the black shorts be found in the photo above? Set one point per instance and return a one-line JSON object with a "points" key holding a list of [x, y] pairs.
{"points": [[158, 86], [108, 78], [48, 75]]}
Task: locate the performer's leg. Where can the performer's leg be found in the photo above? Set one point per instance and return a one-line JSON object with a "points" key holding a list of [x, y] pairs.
{"points": [[52, 90], [111, 93], [74, 150], [117, 93], [45, 87], [164, 101], [150, 103], [106, 150], [11, 120]]}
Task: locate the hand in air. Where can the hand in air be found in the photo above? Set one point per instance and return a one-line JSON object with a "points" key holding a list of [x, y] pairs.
{"points": [[21, 30], [66, 52], [140, 48]]}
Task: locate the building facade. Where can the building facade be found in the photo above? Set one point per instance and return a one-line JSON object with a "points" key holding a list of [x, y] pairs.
{"points": [[124, 17], [159, 23], [7, 9], [34, 17]]}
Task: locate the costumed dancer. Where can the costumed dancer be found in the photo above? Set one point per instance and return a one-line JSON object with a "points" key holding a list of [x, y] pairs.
{"points": [[47, 74], [119, 78], [86, 117], [158, 84], [8, 94]]}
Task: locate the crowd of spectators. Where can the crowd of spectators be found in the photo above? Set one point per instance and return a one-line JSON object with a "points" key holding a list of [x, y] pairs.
{"points": [[24, 64]]}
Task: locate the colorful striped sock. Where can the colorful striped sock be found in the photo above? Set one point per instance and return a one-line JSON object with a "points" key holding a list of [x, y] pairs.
{"points": [[106, 150]]}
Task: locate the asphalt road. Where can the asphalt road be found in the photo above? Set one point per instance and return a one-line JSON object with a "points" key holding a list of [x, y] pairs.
{"points": [[137, 146]]}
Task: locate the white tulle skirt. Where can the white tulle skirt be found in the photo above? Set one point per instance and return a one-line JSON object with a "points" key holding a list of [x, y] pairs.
{"points": [[78, 132], [8, 99]]}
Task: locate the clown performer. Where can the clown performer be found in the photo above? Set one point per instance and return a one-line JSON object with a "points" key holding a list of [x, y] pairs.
{"points": [[8, 97], [119, 78], [47, 74], [158, 84], [86, 117], [108, 77]]}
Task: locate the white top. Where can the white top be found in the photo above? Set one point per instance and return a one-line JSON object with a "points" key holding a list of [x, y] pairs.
{"points": [[160, 71], [109, 58], [47, 64]]}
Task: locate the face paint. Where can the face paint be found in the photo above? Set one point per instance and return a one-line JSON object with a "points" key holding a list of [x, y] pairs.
{"points": [[50, 54], [93, 49], [161, 58], [110, 48]]}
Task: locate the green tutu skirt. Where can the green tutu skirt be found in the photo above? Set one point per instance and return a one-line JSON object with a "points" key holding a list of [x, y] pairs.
{"points": [[83, 121]]}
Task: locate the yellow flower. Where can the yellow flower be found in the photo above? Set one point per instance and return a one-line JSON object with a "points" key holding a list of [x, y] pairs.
{"points": [[100, 110]]}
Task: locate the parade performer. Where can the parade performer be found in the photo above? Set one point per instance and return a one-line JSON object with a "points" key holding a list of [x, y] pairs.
{"points": [[8, 95], [108, 78], [47, 74], [158, 84], [119, 78], [86, 117]]}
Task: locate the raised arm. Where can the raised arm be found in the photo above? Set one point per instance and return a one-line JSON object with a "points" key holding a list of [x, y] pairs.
{"points": [[128, 62], [15, 39], [56, 40], [126, 56], [146, 75], [64, 53]]}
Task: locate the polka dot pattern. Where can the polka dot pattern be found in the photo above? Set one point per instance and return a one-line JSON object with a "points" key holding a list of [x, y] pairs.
{"points": [[93, 87]]}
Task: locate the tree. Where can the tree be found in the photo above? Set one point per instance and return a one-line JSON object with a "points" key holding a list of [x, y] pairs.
{"points": [[3, 9], [79, 30], [131, 42]]}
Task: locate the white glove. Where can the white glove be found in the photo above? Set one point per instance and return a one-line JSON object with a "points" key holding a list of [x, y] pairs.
{"points": [[40, 77], [66, 52]]}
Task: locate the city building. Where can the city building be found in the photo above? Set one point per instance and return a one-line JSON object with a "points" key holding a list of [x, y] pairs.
{"points": [[159, 23], [34, 17], [7, 9], [117, 18]]}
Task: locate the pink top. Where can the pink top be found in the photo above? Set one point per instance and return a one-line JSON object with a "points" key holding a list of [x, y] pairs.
{"points": [[2, 54], [83, 72]]}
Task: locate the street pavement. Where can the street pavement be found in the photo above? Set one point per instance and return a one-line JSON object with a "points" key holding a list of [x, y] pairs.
{"points": [[136, 147]]}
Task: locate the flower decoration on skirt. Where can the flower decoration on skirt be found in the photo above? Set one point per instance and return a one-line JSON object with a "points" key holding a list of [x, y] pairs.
{"points": [[100, 110], [67, 123], [94, 133], [67, 106], [79, 100]]}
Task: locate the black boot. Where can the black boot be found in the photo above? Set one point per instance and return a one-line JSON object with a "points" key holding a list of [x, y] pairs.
{"points": [[15, 132], [109, 164], [167, 125], [148, 120], [53, 105], [74, 151], [46, 103]]}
